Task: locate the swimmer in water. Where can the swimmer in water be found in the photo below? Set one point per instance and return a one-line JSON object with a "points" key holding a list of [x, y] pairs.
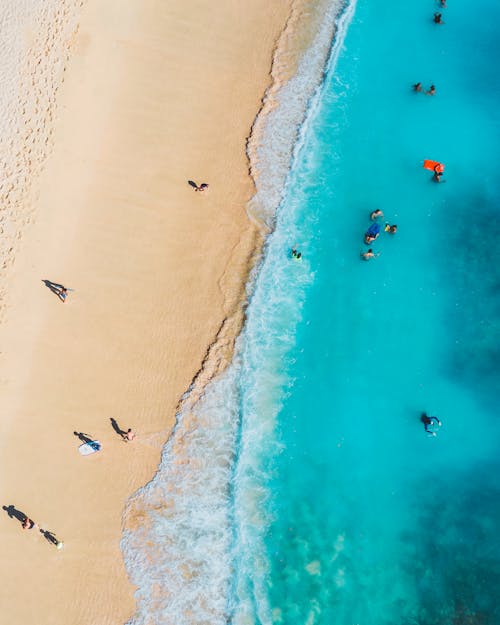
{"points": [[368, 255], [296, 254], [417, 87], [369, 238], [376, 214], [432, 90], [438, 18], [391, 229], [438, 172], [428, 423]]}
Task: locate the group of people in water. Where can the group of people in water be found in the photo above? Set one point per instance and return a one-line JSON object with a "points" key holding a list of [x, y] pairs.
{"points": [[417, 87], [373, 232], [430, 422], [438, 17]]}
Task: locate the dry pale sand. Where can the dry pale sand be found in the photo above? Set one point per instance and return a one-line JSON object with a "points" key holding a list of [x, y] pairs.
{"points": [[156, 93]]}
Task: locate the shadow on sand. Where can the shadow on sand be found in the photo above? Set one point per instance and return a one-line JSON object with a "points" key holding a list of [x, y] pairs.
{"points": [[14, 513]]}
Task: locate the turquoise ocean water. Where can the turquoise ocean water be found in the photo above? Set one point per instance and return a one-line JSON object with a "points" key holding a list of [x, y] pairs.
{"points": [[367, 519], [302, 489]]}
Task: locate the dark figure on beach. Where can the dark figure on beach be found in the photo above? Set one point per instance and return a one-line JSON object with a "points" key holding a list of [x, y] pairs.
{"points": [[51, 538], [368, 254], [24, 520], [428, 423], [58, 289], [296, 254], [391, 229], [376, 214], [129, 435], [202, 187], [85, 438], [417, 87], [438, 18], [14, 513], [432, 90], [28, 524]]}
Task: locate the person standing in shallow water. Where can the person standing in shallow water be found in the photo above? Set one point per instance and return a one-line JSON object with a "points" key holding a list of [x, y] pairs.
{"points": [[428, 423], [368, 255], [377, 213]]}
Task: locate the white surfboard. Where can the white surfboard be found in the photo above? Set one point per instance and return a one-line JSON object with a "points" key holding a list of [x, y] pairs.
{"points": [[90, 448]]}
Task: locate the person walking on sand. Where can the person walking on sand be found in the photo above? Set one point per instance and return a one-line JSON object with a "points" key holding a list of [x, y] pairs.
{"points": [[52, 538], [58, 289]]}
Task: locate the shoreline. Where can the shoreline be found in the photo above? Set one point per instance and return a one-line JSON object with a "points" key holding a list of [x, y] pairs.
{"points": [[168, 505], [124, 344]]}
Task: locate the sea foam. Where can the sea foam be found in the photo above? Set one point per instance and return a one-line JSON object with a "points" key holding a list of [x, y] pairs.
{"points": [[193, 542]]}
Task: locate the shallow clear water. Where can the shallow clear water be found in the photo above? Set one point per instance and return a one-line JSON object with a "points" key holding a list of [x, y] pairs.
{"points": [[346, 511]]}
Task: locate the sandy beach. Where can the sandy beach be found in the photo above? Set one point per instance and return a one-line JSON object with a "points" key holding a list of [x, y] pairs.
{"points": [[150, 96]]}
